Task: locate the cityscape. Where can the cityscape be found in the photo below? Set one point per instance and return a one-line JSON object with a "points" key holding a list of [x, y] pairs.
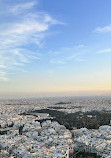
{"points": [[55, 78], [28, 130]]}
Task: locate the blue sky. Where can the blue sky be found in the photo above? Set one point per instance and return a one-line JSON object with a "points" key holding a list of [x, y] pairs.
{"points": [[55, 46]]}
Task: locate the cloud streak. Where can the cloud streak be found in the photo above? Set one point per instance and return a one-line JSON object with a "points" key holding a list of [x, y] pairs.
{"points": [[26, 28], [105, 51], [22, 7], [104, 29], [3, 77], [67, 54]]}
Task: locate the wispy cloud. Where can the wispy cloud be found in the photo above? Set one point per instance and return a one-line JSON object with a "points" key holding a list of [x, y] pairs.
{"points": [[25, 28], [3, 76], [57, 61], [21, 7], [4, 79], [103, 29], [76, 57], [105, 51], [68, 54], [2, 66]]}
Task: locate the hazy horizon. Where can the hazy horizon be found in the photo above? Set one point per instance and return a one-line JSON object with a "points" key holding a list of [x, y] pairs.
{"points": [[53, 94]]}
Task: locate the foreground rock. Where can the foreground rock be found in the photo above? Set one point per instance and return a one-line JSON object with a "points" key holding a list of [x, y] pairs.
{"points": [[94, 141]]}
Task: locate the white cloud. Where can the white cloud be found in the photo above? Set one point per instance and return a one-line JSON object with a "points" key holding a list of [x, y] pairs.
{"points": [[27, 27], [20, 33], [105, 51], [23, 6], [3, 77], [103, 29], [2, 66]]}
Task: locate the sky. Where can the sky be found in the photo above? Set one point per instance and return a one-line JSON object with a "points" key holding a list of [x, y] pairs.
{"points": [[55, 47]]}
